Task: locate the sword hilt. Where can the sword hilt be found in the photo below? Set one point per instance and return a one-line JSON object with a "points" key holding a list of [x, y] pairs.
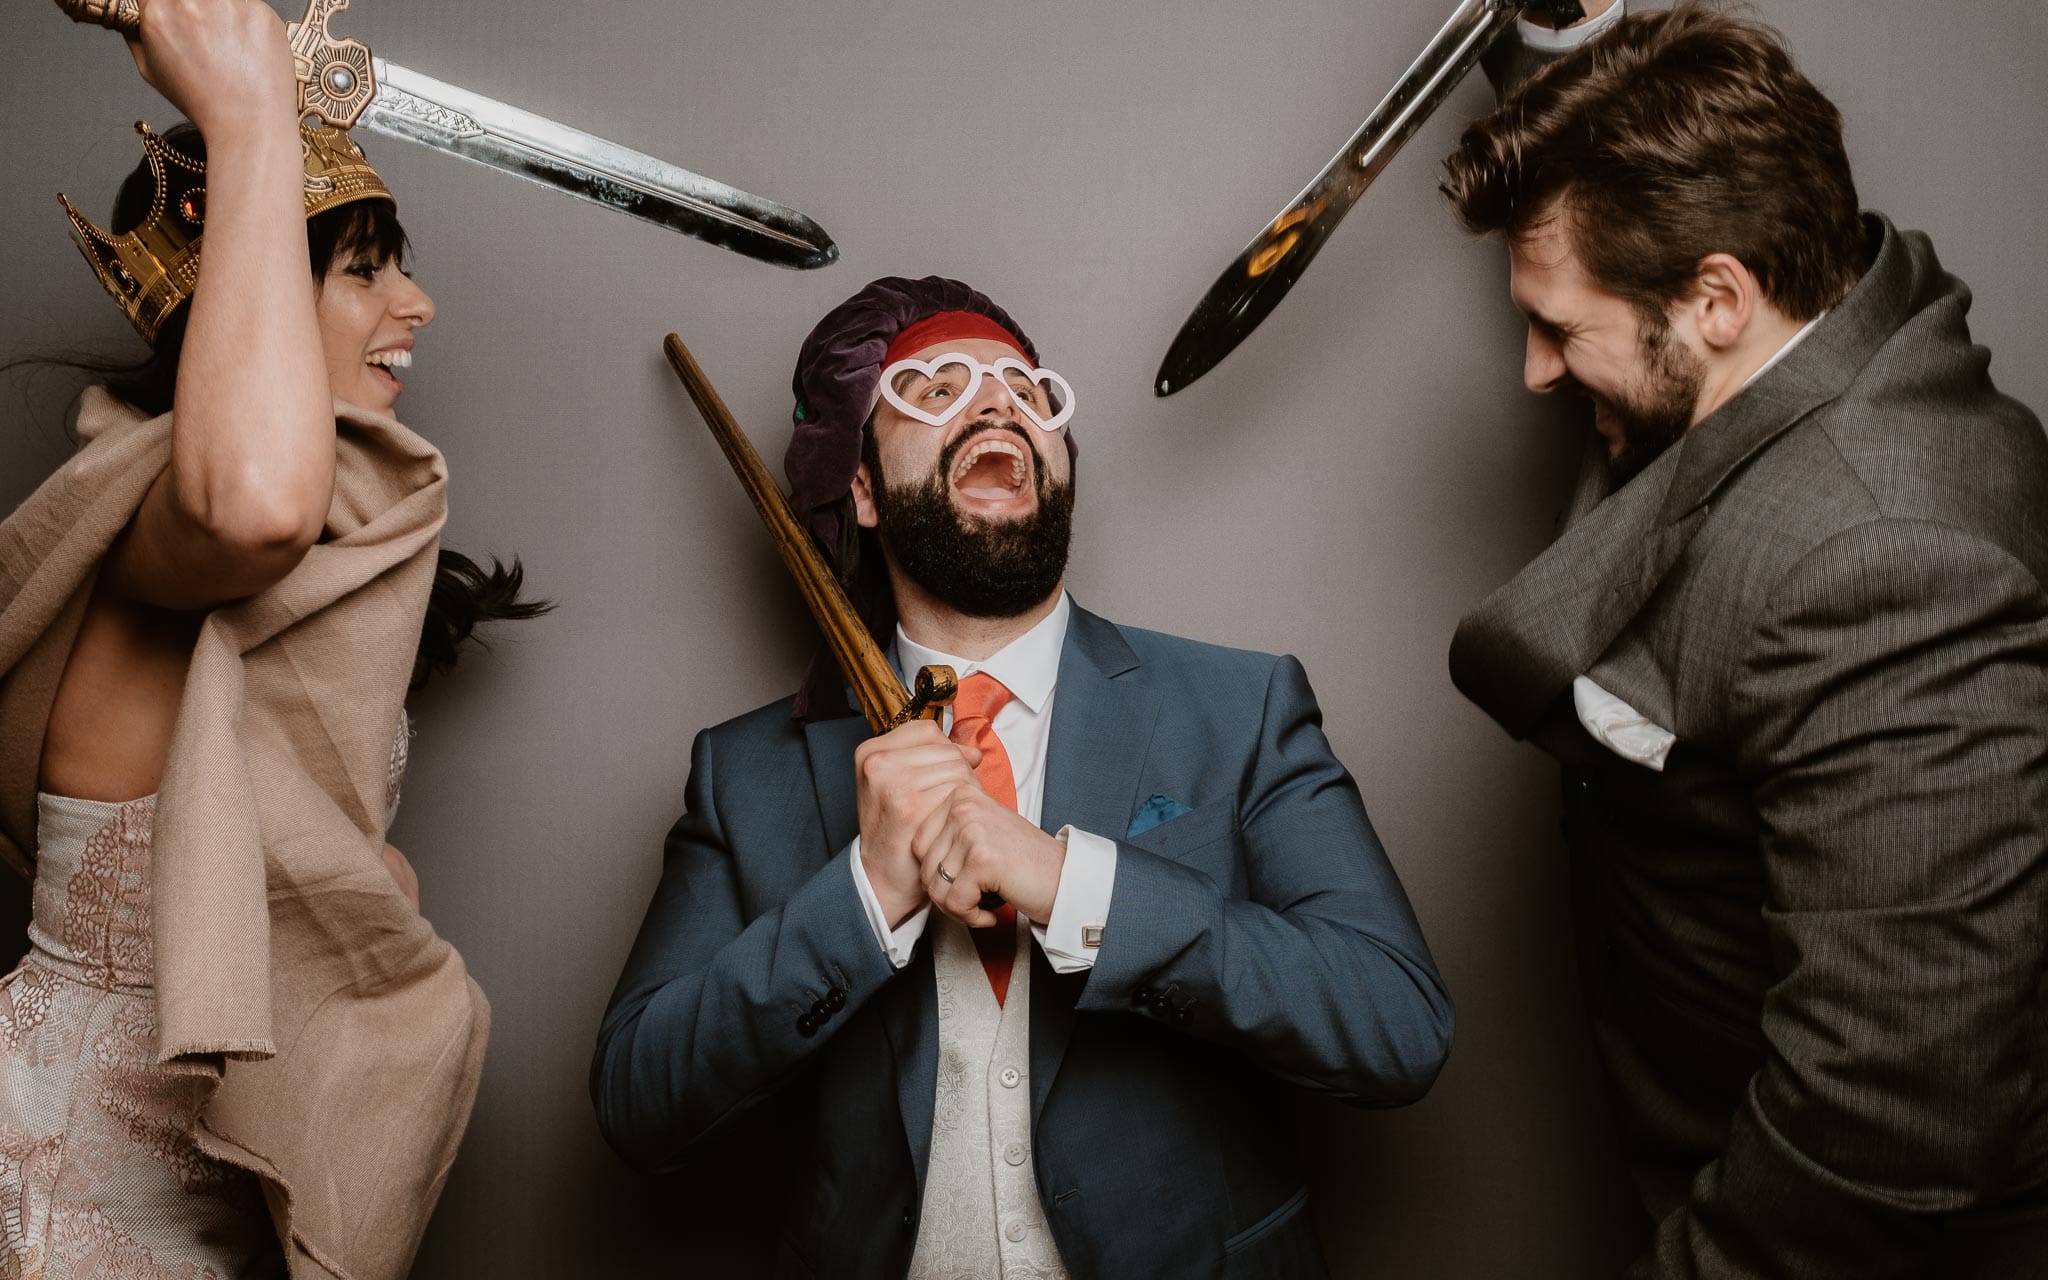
{"points": [[124, 16], [936, 687], [336, 77], [1562, 13]]}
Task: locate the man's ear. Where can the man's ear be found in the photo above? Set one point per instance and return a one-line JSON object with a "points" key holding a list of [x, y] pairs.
{"points": [[1723, 301], [864, 512]]}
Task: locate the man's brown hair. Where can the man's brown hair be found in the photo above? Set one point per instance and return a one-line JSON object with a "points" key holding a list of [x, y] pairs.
{"points": [[1675, 135]]}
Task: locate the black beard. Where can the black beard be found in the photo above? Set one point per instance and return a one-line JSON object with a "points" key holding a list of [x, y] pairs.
{"points": [[1655, 414], [981, 567]]}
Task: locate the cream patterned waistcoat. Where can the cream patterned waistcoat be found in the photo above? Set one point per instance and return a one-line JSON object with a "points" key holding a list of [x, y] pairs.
{"points": [[982, 1218]]}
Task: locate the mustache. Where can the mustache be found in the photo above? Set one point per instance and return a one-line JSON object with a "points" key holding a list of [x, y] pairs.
{"points": [[953, 447]]}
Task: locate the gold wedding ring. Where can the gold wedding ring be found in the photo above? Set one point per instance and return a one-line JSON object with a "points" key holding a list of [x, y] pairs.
{"points": [[945, 875]]}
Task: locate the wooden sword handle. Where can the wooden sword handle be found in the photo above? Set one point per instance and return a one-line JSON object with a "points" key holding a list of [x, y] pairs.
{"points": [[883, 698]]}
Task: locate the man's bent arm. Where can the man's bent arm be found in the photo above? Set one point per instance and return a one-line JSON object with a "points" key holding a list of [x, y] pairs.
{"points": [[1322, 977], [714, 1011], [1894, 704]]}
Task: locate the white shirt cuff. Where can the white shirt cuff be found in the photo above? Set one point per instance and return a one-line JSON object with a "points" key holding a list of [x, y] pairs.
{"points": [[1080, 906], [897, 944], [1550, 40]]}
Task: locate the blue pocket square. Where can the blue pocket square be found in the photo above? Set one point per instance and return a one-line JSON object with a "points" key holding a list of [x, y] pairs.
{"points": [[1153, 812]]}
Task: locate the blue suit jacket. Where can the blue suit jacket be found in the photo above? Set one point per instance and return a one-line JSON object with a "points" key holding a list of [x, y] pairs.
{"points": [[1257, 941]]}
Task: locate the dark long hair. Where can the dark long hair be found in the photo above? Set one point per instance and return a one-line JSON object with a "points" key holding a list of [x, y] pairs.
{"points": [[465, 595]]}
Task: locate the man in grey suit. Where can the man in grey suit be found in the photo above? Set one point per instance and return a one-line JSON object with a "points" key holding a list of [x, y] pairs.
{"points": [[1791, 651], [1097, 1079]]}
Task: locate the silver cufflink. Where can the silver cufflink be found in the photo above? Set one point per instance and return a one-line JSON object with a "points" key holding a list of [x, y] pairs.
{"points": [[1091, 935]]}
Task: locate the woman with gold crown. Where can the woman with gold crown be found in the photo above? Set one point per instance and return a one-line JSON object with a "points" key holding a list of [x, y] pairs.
{"points": [[235, 1047]]}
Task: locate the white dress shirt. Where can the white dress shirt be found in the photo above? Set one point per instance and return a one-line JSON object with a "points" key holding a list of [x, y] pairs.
{"points": [[1029, 668]]}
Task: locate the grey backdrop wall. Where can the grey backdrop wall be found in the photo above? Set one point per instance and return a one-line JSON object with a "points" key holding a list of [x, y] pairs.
{"points": [[1365, 467]]}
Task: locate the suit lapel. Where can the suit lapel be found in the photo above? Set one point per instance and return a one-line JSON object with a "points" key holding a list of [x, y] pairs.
{"points": [[909, 1003], [831, 744], [1903, 278], [1517, 651], [909, 1007], [1103, 713], [1103, 716]]}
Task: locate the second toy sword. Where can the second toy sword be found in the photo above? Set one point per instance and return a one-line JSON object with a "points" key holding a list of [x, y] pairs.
{"points": [[342, 83]]}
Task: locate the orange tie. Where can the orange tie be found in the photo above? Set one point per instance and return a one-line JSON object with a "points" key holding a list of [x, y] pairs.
{"points": [[974, 713]]}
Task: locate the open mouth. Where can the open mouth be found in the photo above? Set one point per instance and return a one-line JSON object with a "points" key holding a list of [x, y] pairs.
{"points": [[384, 364], [1608, 424], [992, 470]]}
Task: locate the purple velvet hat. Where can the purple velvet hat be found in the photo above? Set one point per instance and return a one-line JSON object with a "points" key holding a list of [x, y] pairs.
{"points": [[837, 371]]}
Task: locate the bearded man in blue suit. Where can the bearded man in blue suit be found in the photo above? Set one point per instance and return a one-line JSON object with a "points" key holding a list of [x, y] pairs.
{"points": [[1096, 1080]]}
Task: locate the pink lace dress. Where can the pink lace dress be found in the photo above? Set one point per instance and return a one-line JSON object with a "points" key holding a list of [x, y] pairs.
{"points": [[99, 1175]]}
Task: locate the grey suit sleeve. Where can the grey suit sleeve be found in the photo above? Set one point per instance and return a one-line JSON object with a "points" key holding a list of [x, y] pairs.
{"points": [[704, 1022], [1321, 975], [1895, 703]]}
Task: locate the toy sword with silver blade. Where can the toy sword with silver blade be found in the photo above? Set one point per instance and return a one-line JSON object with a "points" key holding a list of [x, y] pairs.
{"points": [[341, 82], [422, 109], [1254, 284]]}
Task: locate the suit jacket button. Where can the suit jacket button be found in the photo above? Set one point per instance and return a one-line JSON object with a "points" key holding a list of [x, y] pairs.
{"points": [[835, 1000], [1183, 1015], [820, 1011], [807, 1026], [1141, 997]]}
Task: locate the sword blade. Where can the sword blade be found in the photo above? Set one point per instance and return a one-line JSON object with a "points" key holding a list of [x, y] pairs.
{"points": [[419, 108], [1252, 286]]}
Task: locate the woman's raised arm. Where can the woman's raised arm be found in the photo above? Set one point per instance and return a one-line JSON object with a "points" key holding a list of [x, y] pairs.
{"points": [[252, 459]]}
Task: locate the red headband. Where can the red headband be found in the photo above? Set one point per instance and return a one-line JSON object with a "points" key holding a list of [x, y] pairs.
{"points": [[944, 327]]}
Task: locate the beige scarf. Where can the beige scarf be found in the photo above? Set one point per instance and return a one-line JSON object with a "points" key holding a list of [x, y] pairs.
{"points": [[340, 1038]]}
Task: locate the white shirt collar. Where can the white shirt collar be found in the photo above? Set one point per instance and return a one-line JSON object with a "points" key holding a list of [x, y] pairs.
{"points": [[1028, 666], [1785, 350]]}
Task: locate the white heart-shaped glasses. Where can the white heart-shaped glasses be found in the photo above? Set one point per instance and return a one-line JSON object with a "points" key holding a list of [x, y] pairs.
{"points": [[935, 391]]}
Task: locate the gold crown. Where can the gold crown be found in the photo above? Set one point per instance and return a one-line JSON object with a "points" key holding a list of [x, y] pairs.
{"points": [[151, 270]]}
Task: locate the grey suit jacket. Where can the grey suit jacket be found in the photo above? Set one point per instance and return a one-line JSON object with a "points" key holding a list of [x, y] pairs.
{"points": [[1816, 943], [1256, 942]]}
